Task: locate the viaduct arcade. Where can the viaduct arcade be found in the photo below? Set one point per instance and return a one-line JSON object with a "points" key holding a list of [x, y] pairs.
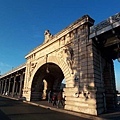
{"points": [[82, 54], [11, 83]]}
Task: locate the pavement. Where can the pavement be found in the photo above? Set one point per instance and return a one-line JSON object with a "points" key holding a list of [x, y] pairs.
{"points": [[109, 115], [3, 116]]}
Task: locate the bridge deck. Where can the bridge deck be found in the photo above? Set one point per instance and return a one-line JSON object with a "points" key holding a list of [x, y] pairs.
{"points": [[106, 25]]}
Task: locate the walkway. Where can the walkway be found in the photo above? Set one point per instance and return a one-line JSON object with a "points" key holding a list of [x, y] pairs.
{"points": [[110, 115], [18, 110]]}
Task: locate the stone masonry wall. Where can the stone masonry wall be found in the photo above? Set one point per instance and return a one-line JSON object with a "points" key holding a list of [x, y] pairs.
{"points": [[76, 49], [81, 98], [104, 81]]}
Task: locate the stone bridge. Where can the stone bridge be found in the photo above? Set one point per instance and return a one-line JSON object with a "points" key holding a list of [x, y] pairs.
{"points": [[82, 55]]}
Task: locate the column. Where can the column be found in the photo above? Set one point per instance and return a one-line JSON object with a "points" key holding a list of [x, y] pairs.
{"points": [[7, 80], [16, 88], [21, 85], [9, 86], [5, 86], [2, 82], [0, 86], [13, 89]]}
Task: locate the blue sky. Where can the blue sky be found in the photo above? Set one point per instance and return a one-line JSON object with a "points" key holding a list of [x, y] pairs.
{"points": [[23, 22]]}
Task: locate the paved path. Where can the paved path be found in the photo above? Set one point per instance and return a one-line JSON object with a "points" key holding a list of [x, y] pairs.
{"points": [[110, 115], [3, 116], [17, 110], [113, 114]]}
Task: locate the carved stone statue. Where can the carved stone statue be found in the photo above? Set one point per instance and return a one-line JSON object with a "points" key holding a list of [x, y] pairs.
{"points": [[70, 57], [48, 35]]}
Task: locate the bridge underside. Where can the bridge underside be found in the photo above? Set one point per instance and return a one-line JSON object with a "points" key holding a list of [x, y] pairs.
{"points": [[109, 43], [108, 47]]}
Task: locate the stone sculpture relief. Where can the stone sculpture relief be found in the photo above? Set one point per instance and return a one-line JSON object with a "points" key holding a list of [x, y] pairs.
{"points": [[32, 67], [70, 56], [47, 35]]}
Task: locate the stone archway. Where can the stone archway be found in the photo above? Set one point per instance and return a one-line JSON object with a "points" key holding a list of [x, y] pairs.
{"points": [[48, 77], [32, 74]]}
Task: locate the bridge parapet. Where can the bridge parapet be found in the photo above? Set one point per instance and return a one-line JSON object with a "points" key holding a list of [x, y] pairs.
{"points": [[62, 33], [105, 25]]}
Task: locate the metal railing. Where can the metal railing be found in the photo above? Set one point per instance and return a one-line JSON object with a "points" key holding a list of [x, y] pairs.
{"points": [[105, 23]]}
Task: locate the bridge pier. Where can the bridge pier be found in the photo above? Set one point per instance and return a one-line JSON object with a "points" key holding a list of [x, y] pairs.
{"points": [[9, 83], [2, 84], [21, 85], [13, 87]]}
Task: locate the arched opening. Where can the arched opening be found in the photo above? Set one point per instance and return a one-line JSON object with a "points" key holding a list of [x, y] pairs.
{"points": [[48, 77], [108, 45]]}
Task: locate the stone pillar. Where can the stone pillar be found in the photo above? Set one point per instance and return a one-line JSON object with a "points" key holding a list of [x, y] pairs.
{"points": [[21, 85], [109, 83], [16, 87], [5, 86], [9, 85], [13, 89], [2, 86], [81, 97]]}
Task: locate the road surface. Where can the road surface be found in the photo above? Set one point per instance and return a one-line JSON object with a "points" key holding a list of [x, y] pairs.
{"points": [[17, 110]]}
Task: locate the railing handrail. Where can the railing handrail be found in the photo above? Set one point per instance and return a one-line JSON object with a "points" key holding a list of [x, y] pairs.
{"points": [[105, 23], [13, 70]]}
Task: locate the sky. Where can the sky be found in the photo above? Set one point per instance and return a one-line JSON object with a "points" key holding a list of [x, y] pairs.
{"points": [[23, 22]]}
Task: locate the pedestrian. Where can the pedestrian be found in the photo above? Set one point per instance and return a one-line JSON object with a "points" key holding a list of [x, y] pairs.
{"points": [[54, 98], [63, 95], [49, 97], [60, 99]]}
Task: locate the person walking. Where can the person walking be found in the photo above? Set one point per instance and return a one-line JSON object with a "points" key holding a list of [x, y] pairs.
{"points": [[54, 98], [49, 97], [60, 99]]}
